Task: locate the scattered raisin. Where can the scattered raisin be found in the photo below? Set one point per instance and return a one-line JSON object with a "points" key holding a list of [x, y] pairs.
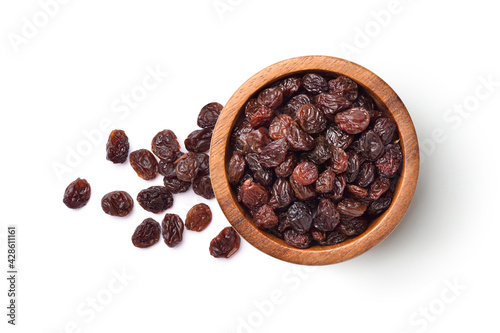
{"points": [[144, 163], [225, 244], [199, 141], [147, 233], [186, 167], [155, 199], [77, 194], [117, 147], [202, 185], [117, 203], [165, 145], [172, 229], [198, 217], [207, 118]]}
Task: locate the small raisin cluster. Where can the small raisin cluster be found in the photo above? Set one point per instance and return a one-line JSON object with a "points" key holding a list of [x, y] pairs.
{"points": [[180, 171], [314, 160]]}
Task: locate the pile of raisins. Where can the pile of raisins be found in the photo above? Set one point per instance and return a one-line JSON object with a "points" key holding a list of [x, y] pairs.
{"points": [[314, 160], [180, 171]]}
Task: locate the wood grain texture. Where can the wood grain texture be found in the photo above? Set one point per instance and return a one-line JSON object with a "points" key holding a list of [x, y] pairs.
{"points": [[379, 229]]}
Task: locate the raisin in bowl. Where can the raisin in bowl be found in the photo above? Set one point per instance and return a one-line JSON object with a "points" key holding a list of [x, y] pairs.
{"points": [[314, 160]]}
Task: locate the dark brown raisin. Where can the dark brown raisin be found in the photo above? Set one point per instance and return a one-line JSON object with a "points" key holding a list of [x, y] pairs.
{"points": [[253, 195], [352, 166], [326, 217], [353, 121], [333, 237], [294, 104], [350, 207], [202, 185], [371, 145], [379, 206], [117, 203], [198, 217], [238, 136], [338, 187], [155, 199], [261, 174], [144, 163], [77, 194], [331, 104], [285, 169], [390, 162], [282, 194], [261, 117], [338, 138], [321, 151], [366, 174], [265, 218], [174, 185], [353, 227], [199, 141], [225, 244], [305, 173], [385, 128], [378, 187], [366, 102], [271, 97], [167, 169], [236, 168], [314, 83], [344, 86], [339, 161], [204, 163], [186, 167], [207, 118], [256, 140], [279, 124], [298, 138], [296, 239], [311, 119], [165, 145], [299, 217], [117, 147], [172, 229], [318, 235], [302, 192], [356, 192], [325, 182], [147, 233], [290, 86], [274, 153]]}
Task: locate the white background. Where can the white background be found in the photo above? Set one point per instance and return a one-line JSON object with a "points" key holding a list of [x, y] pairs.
{"points": [[67, 76]]}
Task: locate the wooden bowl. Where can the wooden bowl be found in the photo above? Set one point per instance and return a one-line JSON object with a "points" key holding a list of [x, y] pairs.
{"points": [[380, 228]]}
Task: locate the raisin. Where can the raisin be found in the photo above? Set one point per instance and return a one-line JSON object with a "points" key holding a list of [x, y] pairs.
{"points": [[256, 140], [186, 167], [353, 227], [390, 162], [207, 118], [344, 86], [117, 203], [325, 182], [262, 175], [302, 192], [385, 128], [278, 126], [379, 206], [339, 161], [305, 173], [265, 218], [172, 229], [326, 217], [353, 121], [251, 107], [282, 194], [371, 145], [144, 163], [290, 86], [202, 186], [338, 138], [167, 169], [147, 233], [352, 166], [339, 185], [271, 97], [236, 168], [77, 194], [239, 134], [225, 244], [299, 139], [378, 187], [285, 169], [356, 191], [174, 185], [350, 207], [261, 117], [199, 141], [117, 147], [311, 119], [366, 174], [333, 237], [198, 217], [314, 83], [331, 104], [321, 151], [165, 145], [294, 104], [366, 102], [204, 163], [274, 153], [296, 239], [155, 199], [318, 235], [253, 195], [299, 217]]}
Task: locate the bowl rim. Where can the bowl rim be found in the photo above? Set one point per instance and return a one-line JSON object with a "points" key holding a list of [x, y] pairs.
{"points": [[381, 227]]}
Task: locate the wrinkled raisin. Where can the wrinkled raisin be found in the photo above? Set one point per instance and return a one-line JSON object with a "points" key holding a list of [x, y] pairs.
{"points": [[298, 138], [172, 229], [199, 141], [147, 233], [186, 167], [350, 207], [314, 83], [305, 173], [202, 186], [311, 119], [390, 161], [325, 182], [278, 126], [155, 199], [271, 97], [225, 244], [144, 163], [261, 117], [77, 194], [265, 218], [326, 217], [344, 86], [285, 169], [207, 118], [253, 195], [117, 147], [385, 128], [274, 153], [296, 239], [282, 194], [294, 104], [165, 145], [198, 217], [331, 104], [353, 121], [353, 227], [117, 203], [236, 168], [174, 185], [299, 217]]}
